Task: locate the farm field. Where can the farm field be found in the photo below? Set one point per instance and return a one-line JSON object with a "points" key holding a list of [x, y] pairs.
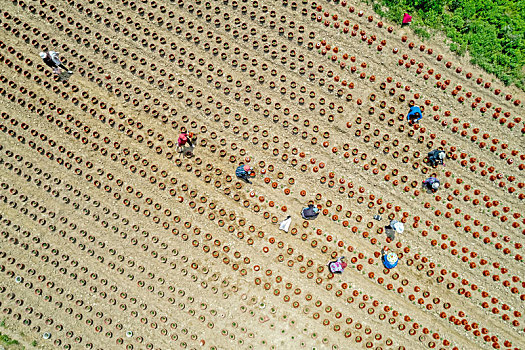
{"points": [[111, 239]]}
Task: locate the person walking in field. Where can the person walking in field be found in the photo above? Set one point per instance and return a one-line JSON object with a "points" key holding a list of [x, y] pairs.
{"points": [[436, 157], [414, 115], [431, 184], [244, 172], [51, 59]]}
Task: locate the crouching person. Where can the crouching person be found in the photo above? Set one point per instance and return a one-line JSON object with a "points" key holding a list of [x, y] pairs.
{"points": [[337, 266], [244, 172]]}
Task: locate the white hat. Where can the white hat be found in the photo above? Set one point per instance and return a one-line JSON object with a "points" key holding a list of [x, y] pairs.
{"points": [[392, 258], [42, 55], [441, 155], [399, 227], [435, 185]]}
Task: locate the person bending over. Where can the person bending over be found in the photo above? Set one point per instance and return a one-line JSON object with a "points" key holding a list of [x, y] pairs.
{"points": [[51, 59]]}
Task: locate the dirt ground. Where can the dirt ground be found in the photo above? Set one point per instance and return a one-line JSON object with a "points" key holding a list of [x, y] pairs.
{"points": [[111, 239]]}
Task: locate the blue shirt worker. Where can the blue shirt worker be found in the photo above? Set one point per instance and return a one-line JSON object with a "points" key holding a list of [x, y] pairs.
{"points": [[390, 259], [414, 115], [244, 172], [431, 183]]}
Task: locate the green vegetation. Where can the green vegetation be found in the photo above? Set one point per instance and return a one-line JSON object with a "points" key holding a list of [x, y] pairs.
{"points": [[6, 340], [493, 31]]}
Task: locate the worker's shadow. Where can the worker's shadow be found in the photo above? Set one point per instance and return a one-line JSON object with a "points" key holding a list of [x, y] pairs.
{"points": [[429, 163], [186, 151], [64, 76], [426, 189], [390, 232]]}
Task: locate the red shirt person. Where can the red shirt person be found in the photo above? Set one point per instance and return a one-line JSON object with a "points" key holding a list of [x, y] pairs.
{"points": [[184, 139]]}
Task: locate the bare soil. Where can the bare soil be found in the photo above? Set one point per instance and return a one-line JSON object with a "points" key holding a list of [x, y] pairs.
{"points": [[120, 242]]}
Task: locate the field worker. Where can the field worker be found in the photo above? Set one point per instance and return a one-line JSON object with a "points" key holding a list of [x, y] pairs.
{"points": [[407, 18], [393, 227], [244, 172], [414, 115], [337, 266], [310, 212], [389, 259], [184, 139], [185, 143], [51, 59], [431, 183], [436, 157]]}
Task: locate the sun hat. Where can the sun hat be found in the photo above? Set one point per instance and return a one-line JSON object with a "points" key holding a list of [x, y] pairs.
{"points": [[392, 258], [441, 155], [399, 227], [42, 55], [247, 168], [435, 185]]}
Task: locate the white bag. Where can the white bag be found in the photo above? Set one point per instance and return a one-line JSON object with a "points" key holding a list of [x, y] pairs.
{"points": [[285, 225]]}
